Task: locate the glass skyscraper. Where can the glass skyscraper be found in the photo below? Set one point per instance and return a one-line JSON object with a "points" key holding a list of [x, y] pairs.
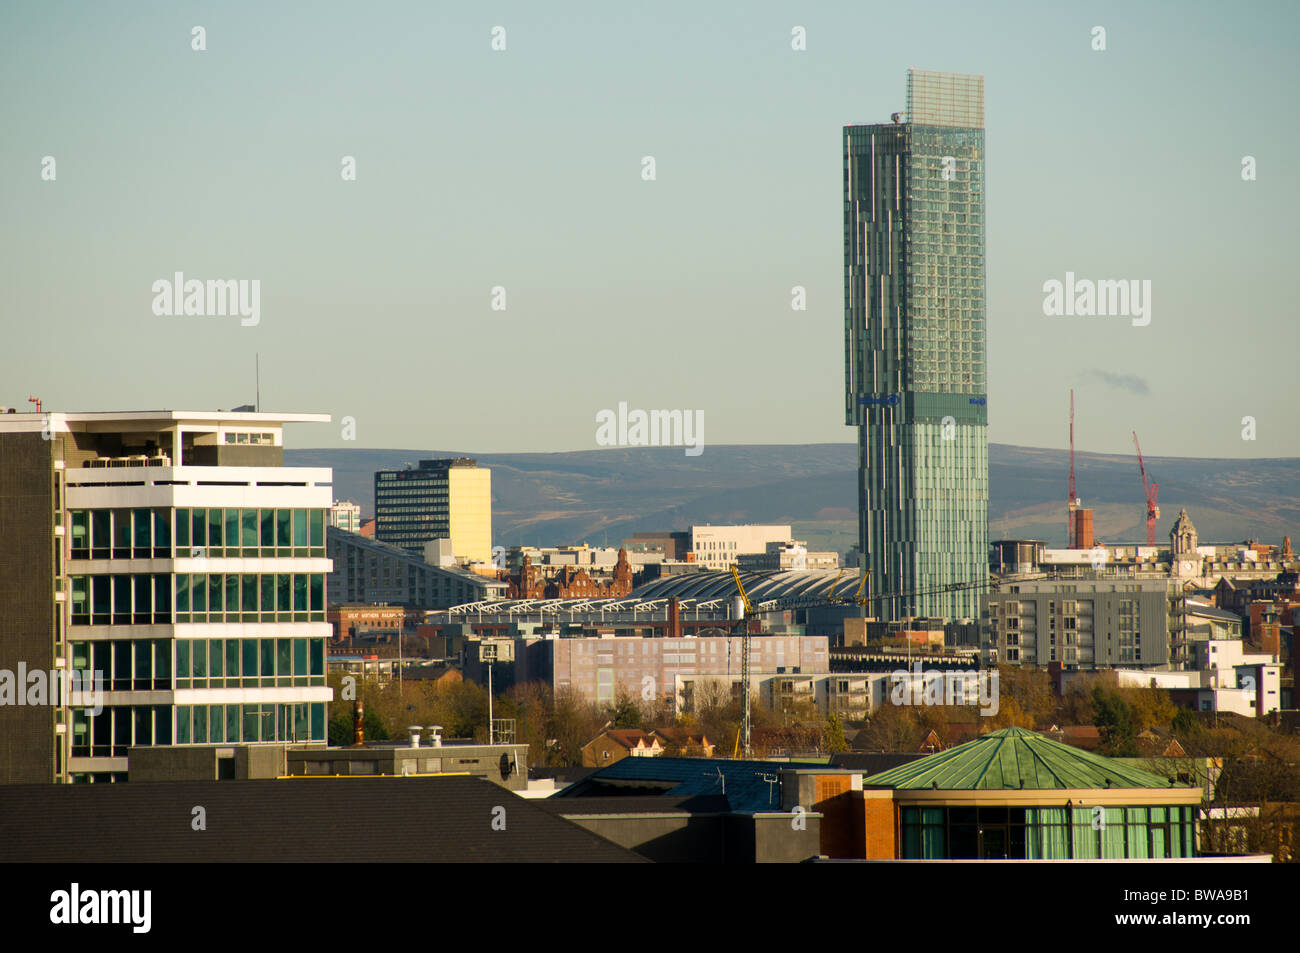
{"points": [[914, 348]]}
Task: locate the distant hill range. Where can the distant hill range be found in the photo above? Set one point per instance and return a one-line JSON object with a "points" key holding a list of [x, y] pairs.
{"points": [[604, 496]]}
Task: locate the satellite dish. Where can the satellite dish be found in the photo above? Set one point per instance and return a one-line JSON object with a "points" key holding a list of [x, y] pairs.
{"points": [[507, 767]]}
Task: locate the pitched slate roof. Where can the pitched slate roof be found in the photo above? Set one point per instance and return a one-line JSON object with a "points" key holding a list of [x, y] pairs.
{"points": [[446, 819], [1011, 759], [746, 783]]}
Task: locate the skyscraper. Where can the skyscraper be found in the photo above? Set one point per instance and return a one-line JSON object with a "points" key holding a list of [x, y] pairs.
{"points": [[914, 339], [450, 498]]}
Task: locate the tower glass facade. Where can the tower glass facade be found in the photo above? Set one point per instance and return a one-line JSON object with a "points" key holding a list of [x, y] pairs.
{"points": [[915, 361]]}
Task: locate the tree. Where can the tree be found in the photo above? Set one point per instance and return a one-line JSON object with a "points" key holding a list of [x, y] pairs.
{"points": [[1116, 721], [833, 735], [626, 713], [892, 728]]}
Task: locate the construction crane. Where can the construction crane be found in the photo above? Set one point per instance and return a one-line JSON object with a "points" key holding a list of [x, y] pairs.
{"points": [[1151, 489], [776, 605], [1071, 498], [743, 740]]}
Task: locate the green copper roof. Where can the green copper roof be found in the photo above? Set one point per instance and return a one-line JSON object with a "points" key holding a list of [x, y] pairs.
{"points": [[1011, 759]]}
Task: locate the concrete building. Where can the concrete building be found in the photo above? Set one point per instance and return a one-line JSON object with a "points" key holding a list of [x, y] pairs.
{"points": [[346, 515], [676, 669], [717, 547], [366, 570], [171, 555], [915, 364], [672, 546], [1079, 623], [449, 498], [784, 557], [1225, 678]]}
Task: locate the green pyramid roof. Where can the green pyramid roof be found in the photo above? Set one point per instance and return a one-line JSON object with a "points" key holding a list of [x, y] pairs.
{"points": [[1011, 759]]}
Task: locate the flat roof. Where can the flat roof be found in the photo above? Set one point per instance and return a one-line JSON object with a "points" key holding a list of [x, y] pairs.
{"points": [[26, 420]]}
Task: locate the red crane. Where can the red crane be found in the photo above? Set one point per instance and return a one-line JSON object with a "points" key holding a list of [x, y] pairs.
{"points": [[1151, 489], [1071, 500]]}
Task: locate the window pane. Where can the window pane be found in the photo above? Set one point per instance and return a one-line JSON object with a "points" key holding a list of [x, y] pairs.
{"points": [[317, 657], [215, 589], [162, 529], [249, 529], [268, 593], [162, 594], [101, 529], [162, 659], [283, 664], [300, 527], [249, 583], [232, 592], [268, 657], [215, 535], [282, 531], [198, 527], [183, 527], [199, 591], [232, 527], [200, 724], [183, 658], [80, 529], [282, 593], [142, 521], [268, 527], [217, 658], [199, 659], [299, 592], [183, 592], [317, 591], [162, 725], [300, 656], [318, 527], [232, 658], [250, 658], [121, 529]]}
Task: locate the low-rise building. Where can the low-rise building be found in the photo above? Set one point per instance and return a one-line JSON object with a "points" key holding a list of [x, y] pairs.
{"points": [[368, 571]]}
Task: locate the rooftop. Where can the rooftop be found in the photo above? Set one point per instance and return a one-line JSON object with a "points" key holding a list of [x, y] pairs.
{"points": [[1014, 759]]}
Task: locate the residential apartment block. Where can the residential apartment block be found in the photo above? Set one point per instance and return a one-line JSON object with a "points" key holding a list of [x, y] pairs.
{"points": [[171, 555], [678, 669], [915, 362], [1079, 623]]}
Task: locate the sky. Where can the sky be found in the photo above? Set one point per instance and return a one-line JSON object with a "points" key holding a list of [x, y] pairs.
{"points": [[523, 169]]}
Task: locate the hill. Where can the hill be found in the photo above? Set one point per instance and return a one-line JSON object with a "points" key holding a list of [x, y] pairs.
{"points": [[603, 496]]}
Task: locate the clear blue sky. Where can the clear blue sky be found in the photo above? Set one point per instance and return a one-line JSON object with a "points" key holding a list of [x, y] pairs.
{"points": [[522, 169]]}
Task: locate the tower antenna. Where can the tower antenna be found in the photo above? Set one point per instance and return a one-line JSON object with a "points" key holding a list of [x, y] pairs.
{"points": [[258, 382]]}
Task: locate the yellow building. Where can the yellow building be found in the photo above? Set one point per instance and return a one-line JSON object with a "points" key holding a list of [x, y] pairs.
{"points": [[440, 499]]}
